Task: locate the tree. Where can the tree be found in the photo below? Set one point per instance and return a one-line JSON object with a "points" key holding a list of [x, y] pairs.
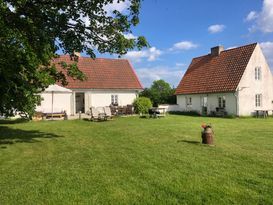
{"points": [[31, 31], [160, 93]]}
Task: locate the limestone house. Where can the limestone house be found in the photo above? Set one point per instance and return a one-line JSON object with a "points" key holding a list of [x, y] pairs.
{"points": [[237, 81], [109, 81]]}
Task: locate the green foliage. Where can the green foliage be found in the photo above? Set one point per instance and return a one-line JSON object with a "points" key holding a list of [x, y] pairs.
{"points": [[142, 105], [31, 31], [186, 113], [160, 93]]}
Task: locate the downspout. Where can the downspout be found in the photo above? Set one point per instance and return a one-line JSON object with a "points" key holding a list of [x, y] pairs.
{"points": [[236, 94]]}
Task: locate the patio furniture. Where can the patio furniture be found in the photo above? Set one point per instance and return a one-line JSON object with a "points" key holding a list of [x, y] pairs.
{"points": [[54, 114], [153, 112], [219, 112], [107, 111], [114, 109], [129, 110], [122, 110], [162, 112], [96, 115], [156, 112], [261, 113]]}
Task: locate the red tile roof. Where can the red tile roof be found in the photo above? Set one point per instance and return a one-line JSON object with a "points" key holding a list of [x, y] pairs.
{"points": [[102, 73], [211, 74]]}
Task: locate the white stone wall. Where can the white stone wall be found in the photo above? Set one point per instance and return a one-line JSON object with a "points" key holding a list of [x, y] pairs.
{"points": [[61, 102], [103, 98], [169, 108], [249, 87], [212, 102], [99, 98]]}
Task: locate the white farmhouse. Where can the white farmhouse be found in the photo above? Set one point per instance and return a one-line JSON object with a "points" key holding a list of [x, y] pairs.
{"points": [[109, 81], [237, 81]]}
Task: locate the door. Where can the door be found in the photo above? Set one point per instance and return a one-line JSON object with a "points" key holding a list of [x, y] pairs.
{"points": [[80, 102], [204, 106]]}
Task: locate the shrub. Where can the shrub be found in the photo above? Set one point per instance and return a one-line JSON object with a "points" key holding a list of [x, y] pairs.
{"points": [[187, 113], [142, 105]]}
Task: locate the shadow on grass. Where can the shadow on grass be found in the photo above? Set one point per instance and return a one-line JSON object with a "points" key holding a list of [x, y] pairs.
{"points": [[9, 136], [189, 141], [16, 121], [91, 121]]}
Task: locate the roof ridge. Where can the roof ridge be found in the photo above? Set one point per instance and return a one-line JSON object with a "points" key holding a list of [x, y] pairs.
{"points": [[241, 47], [227, 50], [96, 57]]}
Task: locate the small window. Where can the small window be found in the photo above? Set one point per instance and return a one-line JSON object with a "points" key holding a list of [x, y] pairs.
{"points": [[114, 99], [219, 102], [258, 73], [258, 100], [222, 102], [205, 101], [189, 101]]}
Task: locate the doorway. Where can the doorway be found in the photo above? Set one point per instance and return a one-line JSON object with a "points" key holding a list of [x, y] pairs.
{"points": [[80, 102], [204, 106]]}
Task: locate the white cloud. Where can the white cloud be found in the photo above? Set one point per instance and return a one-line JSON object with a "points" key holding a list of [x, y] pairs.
{"points": [[263, 19], [267, 48], [171, 75], [120, 6], [217, 28], [183, 45], [251, 16], [150, 54], [231, 47], [180, 64], [129, 36]]}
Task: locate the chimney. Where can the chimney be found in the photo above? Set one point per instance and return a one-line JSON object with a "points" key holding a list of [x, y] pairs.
{"points": [[78, 54], [75, 56], [215, 51]]}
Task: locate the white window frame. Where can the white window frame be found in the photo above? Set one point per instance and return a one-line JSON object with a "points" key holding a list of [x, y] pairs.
{"points": [[114, 99], [189, 101], [258, 73], [258, 100], [205, 101], [222, 101]]}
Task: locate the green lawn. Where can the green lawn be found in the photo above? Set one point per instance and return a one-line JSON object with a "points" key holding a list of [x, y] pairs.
{"points": [[137, 161]]}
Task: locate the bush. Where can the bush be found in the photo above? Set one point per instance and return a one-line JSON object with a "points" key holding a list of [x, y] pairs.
{"points": [[142, 105], [187, 113]]}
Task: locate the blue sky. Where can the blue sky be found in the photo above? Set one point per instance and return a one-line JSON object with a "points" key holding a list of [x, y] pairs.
{"points": [[179, 30]]}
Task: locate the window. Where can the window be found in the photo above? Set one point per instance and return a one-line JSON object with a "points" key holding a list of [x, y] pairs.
{"points": [[188, 101], [219, 102], [258, 73], [222, 102], [258, 100], [205, 101], [114, 99]]}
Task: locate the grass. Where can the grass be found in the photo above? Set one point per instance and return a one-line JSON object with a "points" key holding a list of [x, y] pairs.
{"points": [[136, 161]]}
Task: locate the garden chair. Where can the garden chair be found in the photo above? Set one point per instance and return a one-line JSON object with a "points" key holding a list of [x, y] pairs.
{"points": [[95, 115], [107, 111], [120, 109], [129, 110], [101, 112], [124, 109], [114, 110]]}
